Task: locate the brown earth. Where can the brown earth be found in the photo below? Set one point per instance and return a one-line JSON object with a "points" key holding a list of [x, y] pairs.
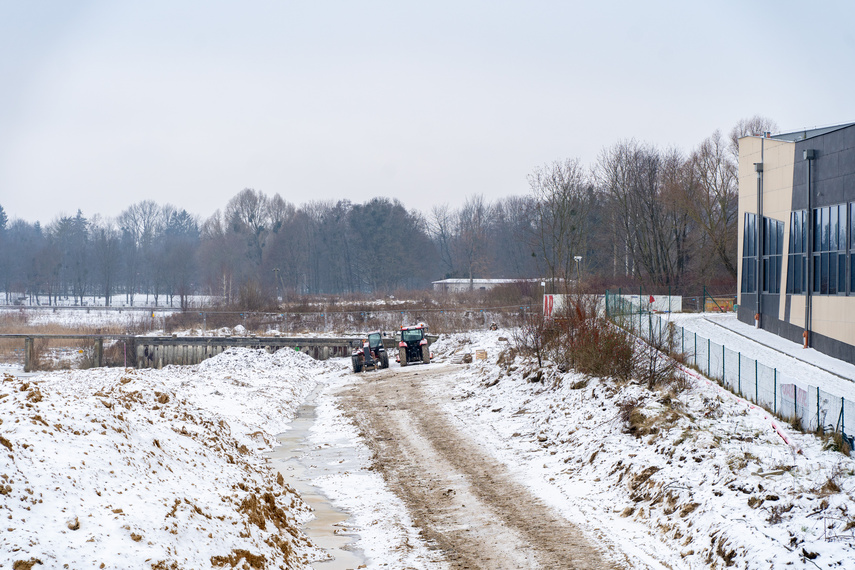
{"points": [[464, 501]]}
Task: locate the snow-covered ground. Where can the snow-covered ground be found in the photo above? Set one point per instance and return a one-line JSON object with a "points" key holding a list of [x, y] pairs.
{"points": [[160, 469], [387, 535], [713, 484], [89, 317], [139, 469]]}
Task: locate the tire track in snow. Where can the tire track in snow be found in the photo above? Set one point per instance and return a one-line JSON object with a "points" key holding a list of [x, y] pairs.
{"points": [[463, 500]]}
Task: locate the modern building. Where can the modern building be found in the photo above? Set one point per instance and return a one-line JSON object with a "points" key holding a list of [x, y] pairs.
{"points": [[463, 285], [797, 237]]}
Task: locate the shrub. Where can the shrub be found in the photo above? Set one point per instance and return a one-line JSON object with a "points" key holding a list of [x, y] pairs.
{"points": [[654, 361], [587, 342]]}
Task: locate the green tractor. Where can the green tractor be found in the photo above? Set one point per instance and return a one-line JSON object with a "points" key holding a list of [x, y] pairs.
{"points": [[371, 355]]}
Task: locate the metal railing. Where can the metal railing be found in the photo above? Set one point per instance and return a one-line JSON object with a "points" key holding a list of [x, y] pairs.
{"points": [[811, 407]]}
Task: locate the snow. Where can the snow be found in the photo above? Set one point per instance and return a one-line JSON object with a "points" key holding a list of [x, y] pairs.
{"points": [[807, 366], [134, 468], [387, 535], [132, 319], [149, 468], [714, 485]]}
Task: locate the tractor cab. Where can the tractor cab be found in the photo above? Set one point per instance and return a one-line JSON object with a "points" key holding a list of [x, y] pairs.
{"points": [[371, 354], [413, 345]]}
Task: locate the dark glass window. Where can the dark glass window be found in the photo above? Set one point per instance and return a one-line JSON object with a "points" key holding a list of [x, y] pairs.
{"points": [[749, 253], [773, 249], [852, 225], [831, 251], [797, 259]]}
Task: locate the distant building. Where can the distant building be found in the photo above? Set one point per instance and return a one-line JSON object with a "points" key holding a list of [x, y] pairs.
{"points": [[463, 285], [797, 236]]}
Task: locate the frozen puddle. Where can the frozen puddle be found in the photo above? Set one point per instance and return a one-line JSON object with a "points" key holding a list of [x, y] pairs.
{"points": [[300, 462]]}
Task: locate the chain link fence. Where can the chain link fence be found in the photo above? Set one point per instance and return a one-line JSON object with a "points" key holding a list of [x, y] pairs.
{"points": [[812, 408]]}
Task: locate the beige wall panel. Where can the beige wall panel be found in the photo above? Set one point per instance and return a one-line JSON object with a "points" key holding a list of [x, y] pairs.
{"points": [[779, 161], [785, 261], [831, 316], [797, 310]]}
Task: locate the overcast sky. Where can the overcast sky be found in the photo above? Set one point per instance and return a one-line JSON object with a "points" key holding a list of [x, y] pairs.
{"points": [[106, 103]]}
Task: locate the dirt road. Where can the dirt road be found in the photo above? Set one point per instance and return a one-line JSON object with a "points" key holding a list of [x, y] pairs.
{"points": [[464, 501]]}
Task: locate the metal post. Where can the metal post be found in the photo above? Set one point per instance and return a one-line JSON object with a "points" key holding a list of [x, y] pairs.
{"points": [[758, 167], [809, 155], [822, 430], [775, 396], [709, 353], [650, 326], [756, 382], [739, 374], [28, 354], [695, 357]]}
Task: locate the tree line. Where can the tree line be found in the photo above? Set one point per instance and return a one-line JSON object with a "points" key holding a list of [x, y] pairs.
{"points": [[639, 214]]}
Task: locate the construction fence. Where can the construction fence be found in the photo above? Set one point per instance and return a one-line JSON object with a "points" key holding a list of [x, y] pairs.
{"points": [[811, 407]]}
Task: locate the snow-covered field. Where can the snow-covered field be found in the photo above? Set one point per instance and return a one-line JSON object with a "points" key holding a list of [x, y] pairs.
{"points": [[89, 317], [168, 469]]}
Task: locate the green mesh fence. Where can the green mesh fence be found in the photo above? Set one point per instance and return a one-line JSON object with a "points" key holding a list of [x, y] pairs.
{"points": [[786, 397]]}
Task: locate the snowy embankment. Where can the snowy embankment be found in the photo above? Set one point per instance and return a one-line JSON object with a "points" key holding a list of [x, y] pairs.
{"points": [[703, 481], [154, 468]]}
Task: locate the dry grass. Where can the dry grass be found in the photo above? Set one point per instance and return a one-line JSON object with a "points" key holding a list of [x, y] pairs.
{"points": [[579, 338], [835, 441], [48, 351], [443, 313]]}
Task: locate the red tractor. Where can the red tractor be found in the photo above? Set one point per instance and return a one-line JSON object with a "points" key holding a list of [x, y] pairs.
{"points": [[413, 345]]}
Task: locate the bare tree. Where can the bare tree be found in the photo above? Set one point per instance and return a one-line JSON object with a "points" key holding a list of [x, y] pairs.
{"points": [[441, 227], [472, 224], [711, 198], [562, 192], [106, 255], [138, 225], [510, 245], [220, 254], [248, 214], [648, 233], [281, 211], [753, 126]]}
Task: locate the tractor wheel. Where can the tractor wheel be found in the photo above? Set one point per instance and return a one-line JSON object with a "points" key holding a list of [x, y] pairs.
{"points": [[384, 361], [357, 365], [403, 355], [425, 354]]}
